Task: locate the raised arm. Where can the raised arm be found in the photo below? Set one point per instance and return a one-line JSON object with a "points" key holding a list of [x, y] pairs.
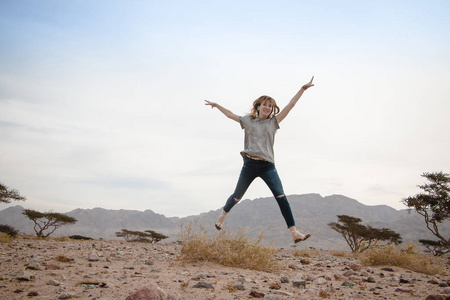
{"points": [[280, 117], [223, 110]]}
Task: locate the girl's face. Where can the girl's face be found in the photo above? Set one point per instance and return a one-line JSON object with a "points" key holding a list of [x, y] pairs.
{"points": [[265, 109]]}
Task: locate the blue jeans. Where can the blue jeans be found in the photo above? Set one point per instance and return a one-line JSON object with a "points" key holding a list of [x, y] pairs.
{"points": [[266, 170]]}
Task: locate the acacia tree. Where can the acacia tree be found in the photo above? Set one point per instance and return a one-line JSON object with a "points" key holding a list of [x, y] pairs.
{"points": [[360, 237], [149, 236], [47, 221], [434, 205], [7, 194]]}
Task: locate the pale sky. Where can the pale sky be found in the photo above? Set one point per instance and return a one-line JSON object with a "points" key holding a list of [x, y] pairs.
{"points": [[101, 102]]}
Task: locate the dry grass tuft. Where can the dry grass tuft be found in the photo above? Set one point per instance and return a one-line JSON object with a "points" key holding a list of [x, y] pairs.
{"points": [[406, 257], [306, 253], [342, 254], [226, 249], [5, 238]]}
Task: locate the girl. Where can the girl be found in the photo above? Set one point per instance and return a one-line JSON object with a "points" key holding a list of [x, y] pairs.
{"points": [[260, 127]]}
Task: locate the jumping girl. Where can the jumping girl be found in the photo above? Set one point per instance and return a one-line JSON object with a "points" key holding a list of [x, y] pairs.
{"points": [[260, 127]]}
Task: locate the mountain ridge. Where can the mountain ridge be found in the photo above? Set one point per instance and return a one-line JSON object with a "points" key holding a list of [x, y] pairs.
{"points": [[312, 213]]}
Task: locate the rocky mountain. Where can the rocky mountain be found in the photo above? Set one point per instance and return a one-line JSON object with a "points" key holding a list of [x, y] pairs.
{"points": [[312, 213]]}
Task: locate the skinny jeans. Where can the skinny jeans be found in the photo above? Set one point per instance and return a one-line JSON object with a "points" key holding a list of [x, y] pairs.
{"points": [[266, 171]]}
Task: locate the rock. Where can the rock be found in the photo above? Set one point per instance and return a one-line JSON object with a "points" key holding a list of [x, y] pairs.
{"points": [[435, 297], [320, 281], [256, 294], [298, 282], [203, 285], [388, 269], [271, 297], [283, 293], [348, 273], [67, 295], [305, 261], [310, 277], [33, 294], [349, 284], [148, 292], [26, 276], [284, 279], [53, 267], [93, 257], [433, 281], [404, 281], [34, 266], [356, 267], [53, 282], [370, 279], [240, 287], [275, 286]]}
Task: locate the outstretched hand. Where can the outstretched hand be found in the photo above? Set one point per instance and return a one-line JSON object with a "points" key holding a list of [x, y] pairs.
{"points": [[308, 85], [210, 103]]}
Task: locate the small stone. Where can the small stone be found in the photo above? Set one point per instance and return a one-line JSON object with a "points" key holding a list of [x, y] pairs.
{"points": [[284, 293], [53, 267], [240, 287], [33, 294], [271, 297], [435, 297], [284, 279], [310, 277], [388, 269], [67, 295], [305, 261], [34, 266], [348, 273], [349, 284], [26, 276], [203, 285], [299, 283], [404, 281], [93, 257], [320, 281], [370, 279], [150, 291], [275, 286], [53, 282], [356, 267], [256, 294]]}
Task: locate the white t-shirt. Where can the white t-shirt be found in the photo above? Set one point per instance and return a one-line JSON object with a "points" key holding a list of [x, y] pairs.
{"points": [[259, 137]]}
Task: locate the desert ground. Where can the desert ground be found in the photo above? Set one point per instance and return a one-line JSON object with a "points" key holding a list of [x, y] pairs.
{"points": [[100, 269]]}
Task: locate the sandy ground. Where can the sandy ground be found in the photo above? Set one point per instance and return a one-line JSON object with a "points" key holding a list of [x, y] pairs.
{"points": [[116, 269]]}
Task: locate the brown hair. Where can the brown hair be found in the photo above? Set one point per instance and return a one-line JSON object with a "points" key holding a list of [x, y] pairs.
{"points": [[254, 112]]}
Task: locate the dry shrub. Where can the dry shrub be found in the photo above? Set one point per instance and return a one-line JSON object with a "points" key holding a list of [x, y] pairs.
{"points": [[61, 239], [5, 238], [306, 253], [226, 249], [406, 257], [342, 253]]}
